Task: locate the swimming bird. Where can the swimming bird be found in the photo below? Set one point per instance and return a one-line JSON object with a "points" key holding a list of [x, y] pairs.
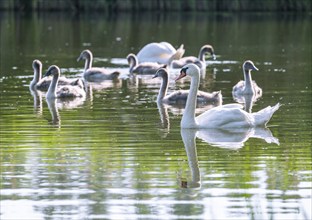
{"points": [[162, 52], [247, 86], [44, 83], [180, 97], [142, 68], [224, 116], [65, 91], [94, 74], [199, 61]]}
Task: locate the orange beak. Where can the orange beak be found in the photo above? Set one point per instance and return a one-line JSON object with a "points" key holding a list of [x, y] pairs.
{"points": [[182, 74]]}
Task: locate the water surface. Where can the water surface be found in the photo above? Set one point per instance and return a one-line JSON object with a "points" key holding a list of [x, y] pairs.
{"points": [[117, 155]]}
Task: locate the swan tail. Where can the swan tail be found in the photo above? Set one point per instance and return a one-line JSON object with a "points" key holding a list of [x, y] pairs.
{"points": [[263, 116]]}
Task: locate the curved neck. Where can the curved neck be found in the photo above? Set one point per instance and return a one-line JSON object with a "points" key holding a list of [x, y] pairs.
{"points": [[201, 55], [52, 88], [248, 81], [188, 118], [133, 63], [37, 77], [88, 63], [163, 88]]}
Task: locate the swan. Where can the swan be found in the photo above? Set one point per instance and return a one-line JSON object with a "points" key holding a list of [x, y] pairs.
{"points": [[248, 86], [180, 97], [44, 83], [199, 61], [162, 52], [224, 116], [93, 73], [142, 68], [66, 91]]}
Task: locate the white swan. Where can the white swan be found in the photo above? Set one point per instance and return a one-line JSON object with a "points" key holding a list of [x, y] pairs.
{"points": [[180, 97], [248, 86], [66, 91], [142, 68], [162, 52], [94, 74], [199, 61], [44, 83], [225, 116]]}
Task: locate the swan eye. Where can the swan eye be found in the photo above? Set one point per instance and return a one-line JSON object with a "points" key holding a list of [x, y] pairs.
{"points": [[184, 70]]}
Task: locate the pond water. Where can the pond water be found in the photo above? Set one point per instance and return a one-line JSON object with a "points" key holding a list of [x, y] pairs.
{"points": [[117, 155]]}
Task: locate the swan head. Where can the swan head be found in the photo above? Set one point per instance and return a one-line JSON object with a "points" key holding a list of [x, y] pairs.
{"points": [[249, 65], [132, 59], [189, 70], [53, 70], [208, 49], [162, 72], [37, 65], [85, 55]]}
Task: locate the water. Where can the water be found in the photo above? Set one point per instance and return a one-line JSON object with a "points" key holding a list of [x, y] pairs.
{"points": [[115, 155]]}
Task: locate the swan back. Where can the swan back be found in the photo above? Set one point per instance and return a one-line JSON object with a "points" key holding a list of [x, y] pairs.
{"points": [[162, 52]]}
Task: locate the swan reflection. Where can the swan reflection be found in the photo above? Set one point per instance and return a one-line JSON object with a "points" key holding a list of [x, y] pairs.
{"points": [[248, 100], [188, 137], [230, 139], [55, 116], [37, 95], [164, 118], [235, 138]]}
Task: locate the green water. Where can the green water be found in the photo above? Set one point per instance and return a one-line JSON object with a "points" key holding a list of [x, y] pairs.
{"points": [[116, 155]]}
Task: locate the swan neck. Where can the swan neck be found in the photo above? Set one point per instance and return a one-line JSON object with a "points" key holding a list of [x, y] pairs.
{"points": [[88, 63], [52, 88], [248, 81], [38, 74], [188, 118], [201, 55], [37, 77], [133, 64], [163, 88]]}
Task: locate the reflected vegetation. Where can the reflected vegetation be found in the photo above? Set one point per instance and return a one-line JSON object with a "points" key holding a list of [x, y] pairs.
{"points": [[115, 153]]}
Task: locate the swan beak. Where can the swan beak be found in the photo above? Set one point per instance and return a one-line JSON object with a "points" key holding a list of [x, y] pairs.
{"points": [[182, 74], [255, 68], [48, 73], [155, 76], [79, 58]]}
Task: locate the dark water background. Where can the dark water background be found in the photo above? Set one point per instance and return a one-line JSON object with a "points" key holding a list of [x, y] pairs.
{"points": [[114, 155]]}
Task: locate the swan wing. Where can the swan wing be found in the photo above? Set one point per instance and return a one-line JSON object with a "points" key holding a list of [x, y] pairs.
{"points": [[168, 47], [159, 52], [224, 117]]}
